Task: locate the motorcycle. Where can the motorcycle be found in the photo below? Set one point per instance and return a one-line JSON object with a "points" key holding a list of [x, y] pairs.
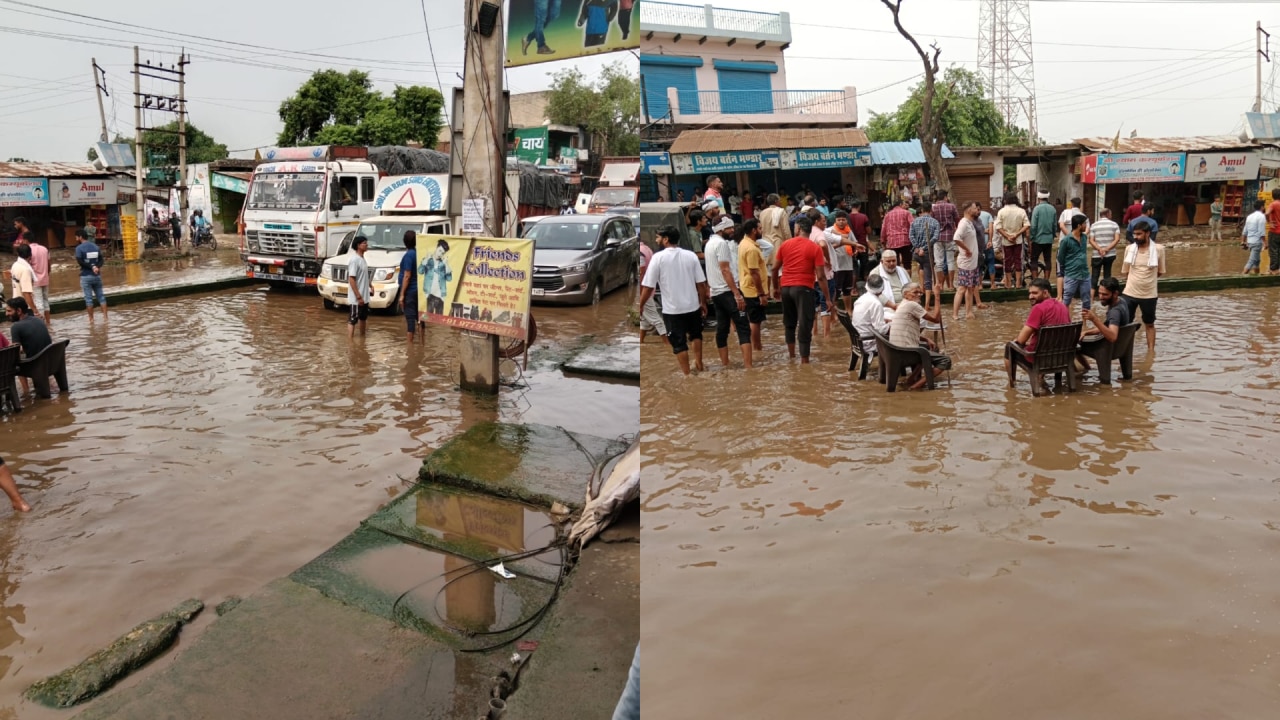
{"points": [[204, 237]]}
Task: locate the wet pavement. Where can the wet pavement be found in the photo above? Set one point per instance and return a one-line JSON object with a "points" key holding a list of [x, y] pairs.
{"points": [[201, 266], [216, 442], [817, 547]]}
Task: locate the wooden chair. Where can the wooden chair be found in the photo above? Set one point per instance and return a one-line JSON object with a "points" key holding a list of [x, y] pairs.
{"points": [[1104, 353], [894, 361], [51, 361], [9, 401], [1055, 353], [857, 355]]}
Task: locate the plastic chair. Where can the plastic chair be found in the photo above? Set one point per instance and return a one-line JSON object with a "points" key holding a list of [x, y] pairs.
{"points": [[1055, 353], [894, 361], [9, 401], [51, 361], [1105, 353]]}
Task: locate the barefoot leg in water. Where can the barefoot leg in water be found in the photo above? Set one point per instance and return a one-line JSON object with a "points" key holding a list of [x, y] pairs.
{"points": [[11, 489]]}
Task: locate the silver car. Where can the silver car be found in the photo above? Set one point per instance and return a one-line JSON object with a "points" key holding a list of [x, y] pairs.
{"points": [[579, 258]]}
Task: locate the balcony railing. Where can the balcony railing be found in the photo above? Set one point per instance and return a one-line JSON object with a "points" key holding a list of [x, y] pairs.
{"points": [[770, 102], [712, 20]]}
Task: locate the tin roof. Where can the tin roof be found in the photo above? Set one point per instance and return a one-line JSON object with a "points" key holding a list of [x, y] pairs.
{"points": [[710, 141], [1163, 145], [908, 152], [48, 170]]}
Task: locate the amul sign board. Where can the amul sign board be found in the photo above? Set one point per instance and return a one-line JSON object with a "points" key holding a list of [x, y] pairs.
{"points": [[1205, 167]]}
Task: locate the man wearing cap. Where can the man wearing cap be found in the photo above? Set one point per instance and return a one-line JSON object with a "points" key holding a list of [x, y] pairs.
{"points": [[871, 313], [1043, 229], [89, 258], [677, 273], [722, 284], [1073, 264], [1143, 266]]}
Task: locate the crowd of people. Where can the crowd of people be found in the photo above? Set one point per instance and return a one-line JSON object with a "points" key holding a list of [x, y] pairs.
{"points": [[822, 261]]}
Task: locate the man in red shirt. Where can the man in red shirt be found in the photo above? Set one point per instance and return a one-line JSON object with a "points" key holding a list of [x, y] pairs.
{"points": [[860, 224], [1273, 234], [748, 207], [797, 269], [1134, 210], [1045, 311], [895, 231]]}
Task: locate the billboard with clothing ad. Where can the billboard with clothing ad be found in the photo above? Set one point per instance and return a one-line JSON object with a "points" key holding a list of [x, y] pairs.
{"points": [[543, 30], [476, 283]]}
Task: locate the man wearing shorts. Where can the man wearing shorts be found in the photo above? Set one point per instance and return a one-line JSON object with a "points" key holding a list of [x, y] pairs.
{"points": [[1073, 264], [409, 284], [89, 258], [924, 239], [968, 264], [358, 287], [1143, 266], [678, 275], [650, 316], [752, 272], [944, 251]]}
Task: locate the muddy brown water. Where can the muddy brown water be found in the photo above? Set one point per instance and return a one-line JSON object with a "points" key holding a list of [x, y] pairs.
{"points": [[815, 547], [213, 443], [201, 266]]}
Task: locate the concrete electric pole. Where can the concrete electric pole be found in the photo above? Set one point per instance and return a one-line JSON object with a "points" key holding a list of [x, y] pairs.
{"points": [[139, 199], [1262, 54], [483, 165], [100, 82]]}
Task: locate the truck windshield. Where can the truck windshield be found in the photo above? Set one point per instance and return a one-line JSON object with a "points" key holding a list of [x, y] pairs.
{"points": [[551, 234], [286, 191], [614, 196], [387, 236]]}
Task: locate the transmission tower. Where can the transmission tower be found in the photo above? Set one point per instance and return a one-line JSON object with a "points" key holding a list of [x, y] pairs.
{"points": [[1005, 61]]}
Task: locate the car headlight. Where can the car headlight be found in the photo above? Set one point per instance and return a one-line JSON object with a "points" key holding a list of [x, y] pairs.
{"points": [[326, 271], [383, 274], [574, 269]]}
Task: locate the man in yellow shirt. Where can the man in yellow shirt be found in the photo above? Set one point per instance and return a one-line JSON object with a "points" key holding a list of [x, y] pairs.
{"points": [[753, 279]]}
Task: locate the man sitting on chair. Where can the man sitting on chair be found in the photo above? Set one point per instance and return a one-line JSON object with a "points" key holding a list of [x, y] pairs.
{"points": [[1045, 311], [904, 332], [1100, 331], [870, 313]]}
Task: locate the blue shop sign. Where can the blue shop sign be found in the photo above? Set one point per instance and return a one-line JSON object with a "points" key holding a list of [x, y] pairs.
{"points": [[706, 163], [834, 157], [655, 163]]}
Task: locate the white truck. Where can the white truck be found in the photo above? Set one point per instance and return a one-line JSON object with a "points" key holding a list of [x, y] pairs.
{"points": [[402, 202], [302, 202]]}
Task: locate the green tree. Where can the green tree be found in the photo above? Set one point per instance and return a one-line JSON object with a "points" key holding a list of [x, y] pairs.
{"points": [[201, 147], [609, 109], [970, 119], [333, 108]]}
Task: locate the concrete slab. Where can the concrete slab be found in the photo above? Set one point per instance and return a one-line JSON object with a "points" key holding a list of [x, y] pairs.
{"points": [[473, 526], [447, 597], [535, 464], [620, 360], [144, 294], [587, 643], [289, 653]]}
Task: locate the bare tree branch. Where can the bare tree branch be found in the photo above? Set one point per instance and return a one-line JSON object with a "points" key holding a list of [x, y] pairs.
{"points": [[930, 127]]}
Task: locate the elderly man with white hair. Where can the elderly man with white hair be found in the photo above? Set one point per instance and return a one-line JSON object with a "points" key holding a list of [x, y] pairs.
{"points": [[894, 277]]}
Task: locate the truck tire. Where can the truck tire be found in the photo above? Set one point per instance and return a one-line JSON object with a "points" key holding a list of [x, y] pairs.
{"points": [[329, 304]]}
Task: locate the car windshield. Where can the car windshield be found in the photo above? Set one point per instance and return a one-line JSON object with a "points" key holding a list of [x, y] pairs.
{"points": [[614, 196], [558, 235], [387, 236], [286, 191]]}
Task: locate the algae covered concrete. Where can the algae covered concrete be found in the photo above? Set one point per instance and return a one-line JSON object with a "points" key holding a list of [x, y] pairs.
{"points": [[289, 653], [535, 464], [619, 360]]}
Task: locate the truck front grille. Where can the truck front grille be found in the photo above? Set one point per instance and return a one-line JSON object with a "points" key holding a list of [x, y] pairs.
{"points": [[285, 243]]}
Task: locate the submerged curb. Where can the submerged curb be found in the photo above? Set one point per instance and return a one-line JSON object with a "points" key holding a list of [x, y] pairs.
{"points": [[130, 297]]}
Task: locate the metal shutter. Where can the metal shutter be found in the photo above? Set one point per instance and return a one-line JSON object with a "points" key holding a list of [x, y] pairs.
{"points": [[744, 91], [969, 184], [657, 78]]}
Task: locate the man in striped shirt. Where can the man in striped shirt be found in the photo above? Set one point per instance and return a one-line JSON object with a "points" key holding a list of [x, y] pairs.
{"points": [[924, 238], [944, 249], [1104, 235]]}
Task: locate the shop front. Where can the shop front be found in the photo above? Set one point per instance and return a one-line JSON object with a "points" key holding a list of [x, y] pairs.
{"points": [[55, 205], [898, 170]]}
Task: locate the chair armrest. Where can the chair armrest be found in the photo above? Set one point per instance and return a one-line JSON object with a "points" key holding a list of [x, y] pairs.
{"points": [[1017, 348]]}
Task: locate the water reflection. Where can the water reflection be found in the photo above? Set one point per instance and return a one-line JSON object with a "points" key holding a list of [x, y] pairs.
{"points": [[976, 529]]}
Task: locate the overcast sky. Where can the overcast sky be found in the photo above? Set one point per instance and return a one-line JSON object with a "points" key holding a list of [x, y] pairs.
{"points": [[47, 106], [1098, 64]]}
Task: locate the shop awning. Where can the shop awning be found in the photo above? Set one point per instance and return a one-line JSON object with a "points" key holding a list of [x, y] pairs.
{"points": [[908, 152], [716, 141], [237, 182]]}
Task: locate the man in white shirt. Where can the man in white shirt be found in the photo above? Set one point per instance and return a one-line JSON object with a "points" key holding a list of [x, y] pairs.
{"points": [[869, 313], [23, 275], [839, 238], [683, 283], [895, 278], [1072, 210], [722, 283], [735, 205], [1255, 231]]}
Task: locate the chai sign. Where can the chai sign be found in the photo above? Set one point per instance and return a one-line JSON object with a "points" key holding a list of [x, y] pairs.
{"points": [[1203, 167], [70, 192]]}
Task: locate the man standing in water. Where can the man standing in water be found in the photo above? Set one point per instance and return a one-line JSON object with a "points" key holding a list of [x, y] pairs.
{"points": [[89, 258], [1073, 264], [1044, 226], [1143, 266], [773, 221], [944, 250], [752, 272], [1012, 226], [797, 269], [10, 489], [677, 273], [722, 284], [358, 287], [968, 272], [1255, 230], [924, 239], [409, 284]]}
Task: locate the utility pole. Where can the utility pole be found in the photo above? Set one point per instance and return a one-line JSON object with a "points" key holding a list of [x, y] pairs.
{"points": [[182, 135], [163, 103], [139, 199], [100, 82], [1257, 94], [483, 164]]}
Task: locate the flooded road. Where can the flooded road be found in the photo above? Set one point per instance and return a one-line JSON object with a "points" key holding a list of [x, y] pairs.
{"points": [[202, 266], [215, 442], [815, 547]]}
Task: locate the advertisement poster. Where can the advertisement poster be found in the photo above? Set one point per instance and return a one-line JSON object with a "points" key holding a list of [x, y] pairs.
{"points": [[543, 30], [68, 192], [531, 145], [1206, 167], [475, 283], [16, 192], [1140, 167]]}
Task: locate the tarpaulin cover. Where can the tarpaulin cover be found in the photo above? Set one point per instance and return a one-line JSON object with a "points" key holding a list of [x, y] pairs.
{"points": [[622, 487], [539, 188], [400, 160]]}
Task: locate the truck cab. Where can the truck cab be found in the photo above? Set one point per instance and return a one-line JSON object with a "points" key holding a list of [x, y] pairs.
{"points": [[302, 202], [617, 188], [402, 203]]}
